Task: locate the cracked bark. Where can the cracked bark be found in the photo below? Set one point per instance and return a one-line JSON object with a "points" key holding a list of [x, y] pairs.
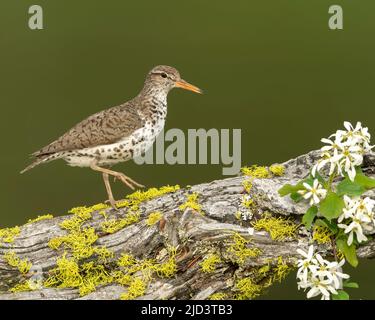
{"points": [[195, 234]]}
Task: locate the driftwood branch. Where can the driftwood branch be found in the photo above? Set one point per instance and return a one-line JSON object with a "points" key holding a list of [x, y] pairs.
{"points": [[193, 233]]}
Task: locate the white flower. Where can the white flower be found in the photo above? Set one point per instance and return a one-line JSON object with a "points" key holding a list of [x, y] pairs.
{"points": [[345, 152], [349, 210], [326, 158], [316, 192], [319, 286], [336, 274], [357, 216], [331, 270], [354, 227], [319, 276], [365, 210], [348, 158], [357, 135], [306, 265]]}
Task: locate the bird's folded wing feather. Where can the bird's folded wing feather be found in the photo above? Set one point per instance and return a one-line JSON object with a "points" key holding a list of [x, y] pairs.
{"points": [[105, 127]]}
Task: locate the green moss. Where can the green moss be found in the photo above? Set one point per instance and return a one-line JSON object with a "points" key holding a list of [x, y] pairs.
{"points": [[322, 235], [239, 250], [278, 228], [23, 265], [277, 170], [40, 218], [8, 234], [154, 218], [218, 296], [192, 203], [210, 262]]}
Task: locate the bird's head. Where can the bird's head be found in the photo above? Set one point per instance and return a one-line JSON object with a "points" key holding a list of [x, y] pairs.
{"points": [[168, 78]]}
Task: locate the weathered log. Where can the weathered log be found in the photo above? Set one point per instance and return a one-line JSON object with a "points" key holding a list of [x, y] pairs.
{"points": [[195, 235]]}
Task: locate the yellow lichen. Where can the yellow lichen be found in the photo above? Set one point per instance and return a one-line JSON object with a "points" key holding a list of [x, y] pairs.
{"points": [[238, 215], [247, 202], [168, 268], [281, 270], [277, 170], [23, 265], [153, 218], [126, 260], [141, 196], [68, 274], [278, 228], [136, 288], [28, 285], [247, 184], [210, 262], [132, 202], [255, 171], [238, 248], [80, 243], [192, 203], [40, 218], [247, 289], [264, 270], [114, 225], [322, 234], [8, 234], [218, 296]]}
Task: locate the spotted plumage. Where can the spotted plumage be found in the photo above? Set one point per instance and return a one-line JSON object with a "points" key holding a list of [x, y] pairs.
{"points": [[119, 133]]}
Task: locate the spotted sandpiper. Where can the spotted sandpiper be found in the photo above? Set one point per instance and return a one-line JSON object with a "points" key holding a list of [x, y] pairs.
{"points": [[119, 133]]}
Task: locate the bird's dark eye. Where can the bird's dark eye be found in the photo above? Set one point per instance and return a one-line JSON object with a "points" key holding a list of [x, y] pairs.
{"points": [[164, 75]]}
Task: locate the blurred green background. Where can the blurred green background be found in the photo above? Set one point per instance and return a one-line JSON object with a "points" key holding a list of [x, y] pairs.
{"points": [[271, 68]]}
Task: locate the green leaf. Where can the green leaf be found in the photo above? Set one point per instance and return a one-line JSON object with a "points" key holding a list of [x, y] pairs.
{"points": [[347, 284], [331, 207], [348, 251], [292, 189], [296, 197], [341, 295], [309, 217], [350, 188], [288, 188], [363, 180], [325, 223]]}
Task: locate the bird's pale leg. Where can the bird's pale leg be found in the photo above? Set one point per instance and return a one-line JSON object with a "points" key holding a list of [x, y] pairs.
{"points": [[119, 175], [111, 199]]}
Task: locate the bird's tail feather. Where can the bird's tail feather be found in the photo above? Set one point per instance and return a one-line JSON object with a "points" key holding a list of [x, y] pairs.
{"points": [[40, 160]]}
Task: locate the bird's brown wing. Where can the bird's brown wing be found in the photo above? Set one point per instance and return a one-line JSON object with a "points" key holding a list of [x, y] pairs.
{"points": [[105, 127]]}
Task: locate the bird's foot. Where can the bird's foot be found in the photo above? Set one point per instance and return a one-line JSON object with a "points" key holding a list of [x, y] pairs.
{"points": [[112, 203], [128, 181]]}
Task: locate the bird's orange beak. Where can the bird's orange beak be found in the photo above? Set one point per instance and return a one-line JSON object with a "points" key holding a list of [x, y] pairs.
{"points": [[186, 85]]}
